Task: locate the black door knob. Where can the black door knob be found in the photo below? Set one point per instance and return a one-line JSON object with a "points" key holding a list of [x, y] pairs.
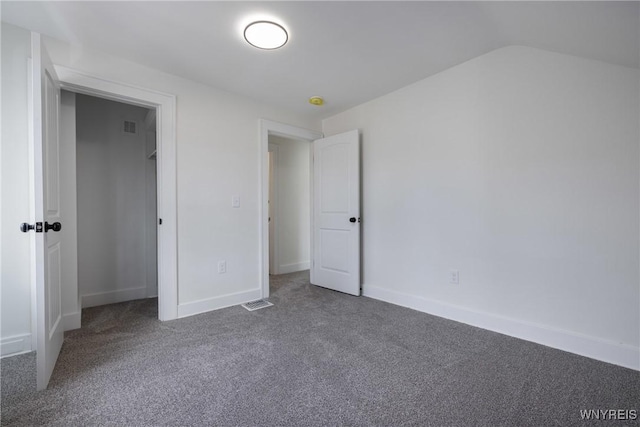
{"points": [[352, 219], [24, 227], [56, 226]]}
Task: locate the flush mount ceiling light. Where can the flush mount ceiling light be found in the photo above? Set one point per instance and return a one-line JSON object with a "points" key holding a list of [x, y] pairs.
{"points": [[266, 35]]}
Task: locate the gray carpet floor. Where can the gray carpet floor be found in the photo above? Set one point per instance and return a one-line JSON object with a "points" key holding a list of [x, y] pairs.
{"points": [[316, 358]]}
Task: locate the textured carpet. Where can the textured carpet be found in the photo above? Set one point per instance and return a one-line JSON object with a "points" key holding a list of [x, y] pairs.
{"points": [[315, 358], [17, 376]]}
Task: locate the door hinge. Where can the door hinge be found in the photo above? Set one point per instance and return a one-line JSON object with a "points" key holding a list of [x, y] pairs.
{"points": [[159, 221]]}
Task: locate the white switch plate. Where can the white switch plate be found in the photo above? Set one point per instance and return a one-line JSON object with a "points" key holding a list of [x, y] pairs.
{"points": [[454, 277], [235, 201], [222, 267]]}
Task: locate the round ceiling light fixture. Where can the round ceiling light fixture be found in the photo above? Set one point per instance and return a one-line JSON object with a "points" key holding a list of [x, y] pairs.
{"points": [[266, 35]]}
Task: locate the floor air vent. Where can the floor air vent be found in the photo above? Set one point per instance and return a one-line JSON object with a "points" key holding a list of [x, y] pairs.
{"points": [[257, 305]]}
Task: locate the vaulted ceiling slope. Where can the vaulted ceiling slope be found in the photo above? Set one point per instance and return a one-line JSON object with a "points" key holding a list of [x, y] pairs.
{"points": [[348, 52]]}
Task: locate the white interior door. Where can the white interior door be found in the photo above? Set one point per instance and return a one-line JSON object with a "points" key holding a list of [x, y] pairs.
{"points": [[47, 215], [336, 213]]}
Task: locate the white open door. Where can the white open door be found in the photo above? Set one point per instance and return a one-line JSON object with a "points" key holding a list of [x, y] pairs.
{"points": [[336, 213], [46, 173]]}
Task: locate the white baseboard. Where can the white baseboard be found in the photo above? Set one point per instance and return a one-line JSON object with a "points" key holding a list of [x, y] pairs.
{"points": [[71, 321], [112, 297], [584, 345], [292, 268], [14, 345], [152, 291], [209, 304]]}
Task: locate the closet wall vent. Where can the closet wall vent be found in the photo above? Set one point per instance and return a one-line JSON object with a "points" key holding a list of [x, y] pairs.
{"points": [[130, 127]]}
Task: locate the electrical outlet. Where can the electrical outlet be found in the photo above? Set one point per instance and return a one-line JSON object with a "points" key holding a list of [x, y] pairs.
{"points": [[235, 201], [222, 267], [454, 277]]}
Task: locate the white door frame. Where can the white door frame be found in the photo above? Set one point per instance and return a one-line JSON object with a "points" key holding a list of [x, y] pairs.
{"points": [[268, 127], [165, 106]]}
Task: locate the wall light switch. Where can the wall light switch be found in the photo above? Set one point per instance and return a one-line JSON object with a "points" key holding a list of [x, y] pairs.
{"points": [[235, 201], [222, 267], [454, 277]]}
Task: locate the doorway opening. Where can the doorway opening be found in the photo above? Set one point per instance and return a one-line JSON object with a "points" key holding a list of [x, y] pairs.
{"points": [[335, 206], [289, 205], [116, 194], [282, 145], [164, 106]]}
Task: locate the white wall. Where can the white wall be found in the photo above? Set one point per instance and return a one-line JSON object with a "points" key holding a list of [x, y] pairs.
{"points": [[112, 202], [519, 169], [71, 304], [292, 217], [218, 156], [15, 286]]}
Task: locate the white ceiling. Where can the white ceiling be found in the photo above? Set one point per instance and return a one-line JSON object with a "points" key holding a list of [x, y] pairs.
{"points": [[347, 52]]}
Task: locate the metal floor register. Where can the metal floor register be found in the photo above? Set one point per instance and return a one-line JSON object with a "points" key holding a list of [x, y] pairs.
{"points": [[257, 305]]}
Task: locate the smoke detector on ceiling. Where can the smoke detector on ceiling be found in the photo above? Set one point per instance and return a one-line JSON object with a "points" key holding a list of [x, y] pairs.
{"points": [[316, 100]]}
